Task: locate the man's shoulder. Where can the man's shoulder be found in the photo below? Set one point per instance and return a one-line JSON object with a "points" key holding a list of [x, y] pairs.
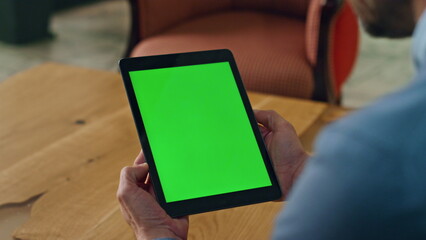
{"points": [[366, 176], [393, 121]]}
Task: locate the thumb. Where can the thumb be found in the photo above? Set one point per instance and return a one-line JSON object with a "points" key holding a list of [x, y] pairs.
{"points": [[140, 159]]}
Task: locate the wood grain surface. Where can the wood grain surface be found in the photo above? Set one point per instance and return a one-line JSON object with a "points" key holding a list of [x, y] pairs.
{"points": [[41, 110], [42, 105], [66, 132]]}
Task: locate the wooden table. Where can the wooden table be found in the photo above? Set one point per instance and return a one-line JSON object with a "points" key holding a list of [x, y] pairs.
{"points": [[65, 133]]}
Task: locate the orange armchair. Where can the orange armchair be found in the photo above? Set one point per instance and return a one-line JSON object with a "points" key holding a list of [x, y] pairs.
{"points": [[297, 48]]}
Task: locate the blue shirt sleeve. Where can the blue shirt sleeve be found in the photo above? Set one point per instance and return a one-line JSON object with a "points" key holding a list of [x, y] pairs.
{"points": [[343, 193]]}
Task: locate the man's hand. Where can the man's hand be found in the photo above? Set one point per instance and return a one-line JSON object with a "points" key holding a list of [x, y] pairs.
{"points": [[149, 220], [141, 210], [284, 147]]}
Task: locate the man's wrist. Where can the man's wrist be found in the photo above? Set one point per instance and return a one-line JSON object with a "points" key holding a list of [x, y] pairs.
{"points": [[287, 174], [300, 165]]}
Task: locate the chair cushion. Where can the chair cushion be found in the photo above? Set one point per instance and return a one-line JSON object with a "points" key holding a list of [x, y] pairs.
{"points": [[296, 8], [269, 49]]}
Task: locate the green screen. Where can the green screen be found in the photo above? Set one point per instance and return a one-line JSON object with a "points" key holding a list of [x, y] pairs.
{"points": [[198, 130]]}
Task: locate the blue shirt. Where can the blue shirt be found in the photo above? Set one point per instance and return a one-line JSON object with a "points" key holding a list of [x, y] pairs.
{"points": [[367, 179]]}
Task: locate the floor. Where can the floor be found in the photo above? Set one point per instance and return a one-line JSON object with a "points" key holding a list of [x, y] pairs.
{"points": [[95, 36]]}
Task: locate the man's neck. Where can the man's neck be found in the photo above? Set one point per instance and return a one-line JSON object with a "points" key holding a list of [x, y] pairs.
{"points": [[419, 8], [419, 39]]}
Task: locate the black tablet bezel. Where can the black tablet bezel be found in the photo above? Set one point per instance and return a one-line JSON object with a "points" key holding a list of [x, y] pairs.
{"points": [[210, 203]]}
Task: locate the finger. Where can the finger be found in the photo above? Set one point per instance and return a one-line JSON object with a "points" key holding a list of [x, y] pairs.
{"points": [[148, 179], [132, 178], [140, 159], [270, 119], [185, 218], [132, 186], [150, 186], [263, 131]]}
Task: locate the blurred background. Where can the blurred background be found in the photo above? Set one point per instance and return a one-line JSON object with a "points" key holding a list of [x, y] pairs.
{"points": [[94, 34]]}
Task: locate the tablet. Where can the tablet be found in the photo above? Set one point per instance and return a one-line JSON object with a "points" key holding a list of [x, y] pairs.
{"points": [[198, 132]]}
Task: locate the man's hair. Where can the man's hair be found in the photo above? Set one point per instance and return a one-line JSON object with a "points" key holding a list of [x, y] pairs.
{"points": [[391, 18]]}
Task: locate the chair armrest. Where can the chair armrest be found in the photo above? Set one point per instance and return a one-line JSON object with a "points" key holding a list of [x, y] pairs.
{"points": [[320, 12], [332, 45]]}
